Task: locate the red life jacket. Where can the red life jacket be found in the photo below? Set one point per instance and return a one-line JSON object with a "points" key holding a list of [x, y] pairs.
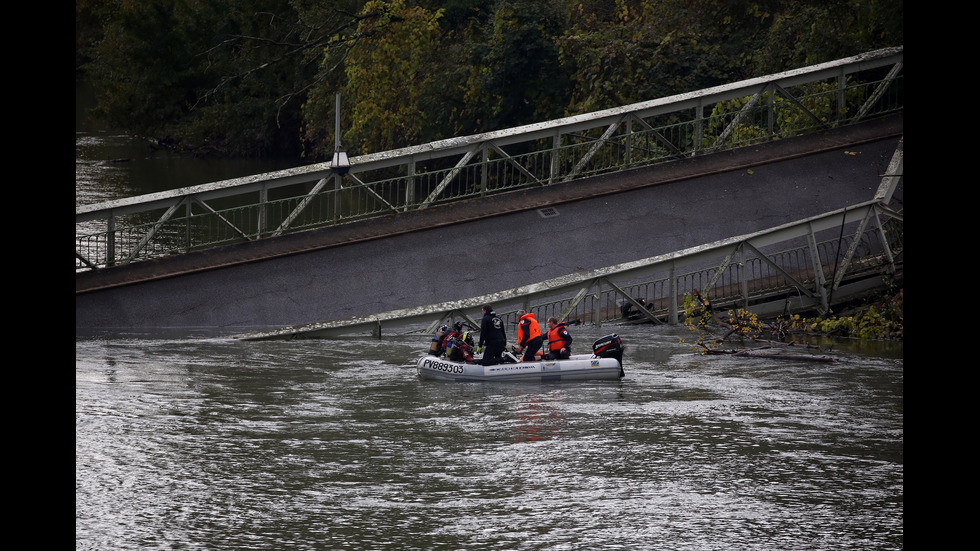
{"points": [[555, 341], [533, 329]]}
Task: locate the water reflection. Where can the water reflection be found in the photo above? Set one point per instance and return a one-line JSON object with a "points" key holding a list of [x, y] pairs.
{"points": [[539, 418]]}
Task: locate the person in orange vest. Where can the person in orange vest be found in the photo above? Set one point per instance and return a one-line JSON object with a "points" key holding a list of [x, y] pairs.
{"points": [[529, 338], [559, 340]]}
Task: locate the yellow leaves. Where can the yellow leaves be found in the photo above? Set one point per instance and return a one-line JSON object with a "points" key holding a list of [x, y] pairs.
{"points": [[383, 73]]}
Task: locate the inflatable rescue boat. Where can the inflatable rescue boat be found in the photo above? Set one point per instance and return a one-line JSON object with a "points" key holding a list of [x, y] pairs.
{"points": [[605, 362]]}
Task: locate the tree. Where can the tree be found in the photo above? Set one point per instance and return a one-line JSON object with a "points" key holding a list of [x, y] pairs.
{"points": [[804, 33], [389, 72], [520, 78], [259, 77], [212, 76]]}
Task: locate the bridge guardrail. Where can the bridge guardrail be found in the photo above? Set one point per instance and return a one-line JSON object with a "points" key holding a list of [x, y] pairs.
{"points": [[266, 205]]}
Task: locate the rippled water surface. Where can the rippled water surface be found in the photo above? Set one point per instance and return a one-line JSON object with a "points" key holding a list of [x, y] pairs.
{"points": [[197, 442]]}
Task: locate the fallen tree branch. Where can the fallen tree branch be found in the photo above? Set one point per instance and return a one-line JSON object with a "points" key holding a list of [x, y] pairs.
{"points": [[769, 355], [794, 343], [778, 356]]}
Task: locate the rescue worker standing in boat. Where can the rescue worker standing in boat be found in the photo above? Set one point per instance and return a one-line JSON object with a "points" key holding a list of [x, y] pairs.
{"points": [[529, 338], [559, 340], [492, 336]]}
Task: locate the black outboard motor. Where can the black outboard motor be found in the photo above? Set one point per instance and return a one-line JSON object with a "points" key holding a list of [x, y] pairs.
{"points": [[610, 346]]}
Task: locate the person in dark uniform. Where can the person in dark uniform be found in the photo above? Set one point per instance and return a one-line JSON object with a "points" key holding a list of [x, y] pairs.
{"points": [[493, 338]]}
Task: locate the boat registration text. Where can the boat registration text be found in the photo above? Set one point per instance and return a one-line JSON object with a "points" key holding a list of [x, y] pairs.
{"points": [[442, 366]]}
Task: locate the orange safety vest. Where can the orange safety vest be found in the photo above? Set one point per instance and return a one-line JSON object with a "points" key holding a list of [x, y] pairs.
{"points": [[555, 342], [534, 330]]}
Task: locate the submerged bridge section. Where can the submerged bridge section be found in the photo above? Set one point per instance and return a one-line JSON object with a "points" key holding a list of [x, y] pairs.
{"points": [[570, 207], [792, 268], [740, 274]]}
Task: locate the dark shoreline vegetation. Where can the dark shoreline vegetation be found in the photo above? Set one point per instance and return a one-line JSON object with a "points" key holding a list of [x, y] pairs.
{"points": [[881, 318], [259, 78], [739, 332]]}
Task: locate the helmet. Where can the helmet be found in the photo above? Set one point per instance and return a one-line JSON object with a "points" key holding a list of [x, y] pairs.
{"points": [[458, 326], [444, 328]]}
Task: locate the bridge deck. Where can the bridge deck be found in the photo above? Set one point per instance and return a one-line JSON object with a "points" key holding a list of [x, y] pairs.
{"points": [[473, 248], [493, 206]]}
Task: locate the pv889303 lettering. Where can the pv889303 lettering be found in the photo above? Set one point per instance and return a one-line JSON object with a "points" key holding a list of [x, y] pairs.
{"points": [[443, 366]]}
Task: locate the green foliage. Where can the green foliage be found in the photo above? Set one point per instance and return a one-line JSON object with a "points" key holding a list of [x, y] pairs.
{"points": [[208, 76], [521, 78], [699, 317], [697, 311], [744, 323], [882, 320], [814, 32], [257, 77], [145, 66], [811, 106], [387, 73]]}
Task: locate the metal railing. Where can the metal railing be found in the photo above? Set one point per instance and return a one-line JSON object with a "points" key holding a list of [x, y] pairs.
{"points": [[732, 273], [266, 205], [791, 268]]}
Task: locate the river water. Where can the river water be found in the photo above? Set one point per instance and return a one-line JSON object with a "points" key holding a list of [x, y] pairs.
{"points": [[207, 442], [111, 165], [191, 440]]}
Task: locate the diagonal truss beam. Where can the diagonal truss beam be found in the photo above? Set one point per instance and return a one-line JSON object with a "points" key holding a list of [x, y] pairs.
{"points": [[855, 241], [643, 310], [450, 316], [792, 99], [449, 177], [879, 91], [579, 296], [661, 139], [753, 101], [153, 231], [737, 119], [610, 130], [312, 194], [797, 283], [224, 220], [299, 208], [518, 165], [467, 157]]}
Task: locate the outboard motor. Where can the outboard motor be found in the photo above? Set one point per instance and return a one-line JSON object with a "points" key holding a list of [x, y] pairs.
{"points": [[610, 346]]}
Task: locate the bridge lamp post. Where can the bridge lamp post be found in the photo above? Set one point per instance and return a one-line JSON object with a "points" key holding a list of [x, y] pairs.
{"points": [[340, 163]]}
